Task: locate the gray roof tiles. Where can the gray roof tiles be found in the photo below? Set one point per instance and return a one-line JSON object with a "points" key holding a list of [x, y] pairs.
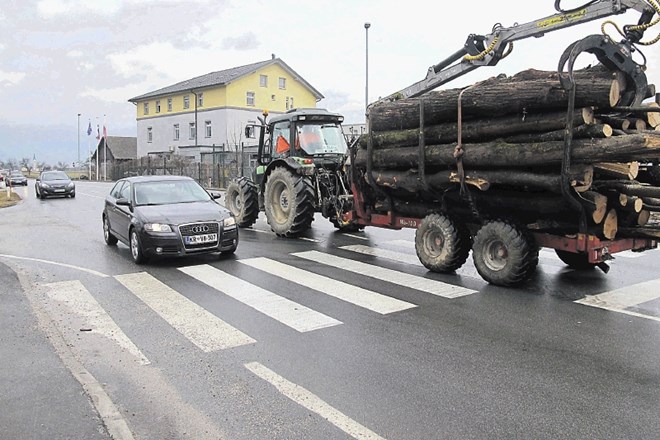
{"points": [[221, 78]]}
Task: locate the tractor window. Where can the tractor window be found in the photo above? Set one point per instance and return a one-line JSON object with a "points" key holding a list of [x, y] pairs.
{"points": [[321, 139], [280, 139]]}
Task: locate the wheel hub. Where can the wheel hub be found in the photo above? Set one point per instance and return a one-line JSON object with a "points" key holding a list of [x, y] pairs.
{"points": [[496, 255]]}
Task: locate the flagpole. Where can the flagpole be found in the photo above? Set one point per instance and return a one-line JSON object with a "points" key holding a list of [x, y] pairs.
{"points": [[89, 154], [98, 138], [105, 152]]}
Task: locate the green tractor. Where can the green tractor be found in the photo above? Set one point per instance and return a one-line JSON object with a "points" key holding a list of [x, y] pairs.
{"points": [[300, 171]]}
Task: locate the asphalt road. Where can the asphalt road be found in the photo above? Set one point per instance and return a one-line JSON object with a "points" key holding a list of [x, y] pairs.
{"points": [[331, 336]]}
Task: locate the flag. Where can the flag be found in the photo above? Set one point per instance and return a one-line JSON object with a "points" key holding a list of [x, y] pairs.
{"points": [[89, 129], [98, 132]]}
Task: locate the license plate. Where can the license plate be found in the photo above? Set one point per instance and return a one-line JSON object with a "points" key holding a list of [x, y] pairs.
{"points": [[198, 239], [59, 190]]}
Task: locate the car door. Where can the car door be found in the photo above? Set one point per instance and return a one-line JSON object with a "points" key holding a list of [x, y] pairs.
{"points": [[123, 213], [112, 211]]}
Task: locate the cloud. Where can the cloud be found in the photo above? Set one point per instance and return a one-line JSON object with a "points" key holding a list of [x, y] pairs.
{"points": [[247, 41], [8, 79]]}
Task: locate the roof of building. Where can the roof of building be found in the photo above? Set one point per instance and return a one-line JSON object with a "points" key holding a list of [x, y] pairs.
{"points": [[121, 147], [222, 78]]}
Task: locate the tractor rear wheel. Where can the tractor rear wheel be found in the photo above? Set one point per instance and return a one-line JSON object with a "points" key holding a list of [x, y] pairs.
{"points": [[242, 199], [288, 202], [441, 244], [503, 254]]}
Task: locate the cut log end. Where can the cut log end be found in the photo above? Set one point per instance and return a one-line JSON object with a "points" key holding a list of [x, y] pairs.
{"points": [[610, 225]]}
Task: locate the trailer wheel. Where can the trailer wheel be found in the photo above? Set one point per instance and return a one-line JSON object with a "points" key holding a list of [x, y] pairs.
{"points": [[577, 261], [503, 254], [242, 199], [289, 203], [441, 244]]}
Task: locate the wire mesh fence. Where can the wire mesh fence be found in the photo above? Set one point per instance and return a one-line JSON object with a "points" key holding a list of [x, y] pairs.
{"points": [[215, 170]]}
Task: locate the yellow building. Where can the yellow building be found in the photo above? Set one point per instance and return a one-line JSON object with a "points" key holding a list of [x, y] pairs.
{"points": [[202, 114]]}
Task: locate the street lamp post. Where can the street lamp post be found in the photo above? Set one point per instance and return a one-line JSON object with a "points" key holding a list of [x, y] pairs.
{"points": [[366, 82], [78, 163]]}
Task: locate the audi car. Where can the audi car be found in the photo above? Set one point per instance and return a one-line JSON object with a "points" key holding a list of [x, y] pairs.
{"points": [[167, 216], [54, 183]]}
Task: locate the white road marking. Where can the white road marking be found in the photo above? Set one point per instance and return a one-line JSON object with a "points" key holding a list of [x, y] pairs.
{"points": [[202, 328], [359, 237], [70, 266], [313, 240], [312, 402], [406, 244], [401, 257], [352, 294], [392, 276], [79, 301], [624, 297], [283, 310]]}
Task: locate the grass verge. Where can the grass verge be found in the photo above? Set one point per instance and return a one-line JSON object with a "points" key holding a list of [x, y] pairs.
{"points": [[8, 201]]}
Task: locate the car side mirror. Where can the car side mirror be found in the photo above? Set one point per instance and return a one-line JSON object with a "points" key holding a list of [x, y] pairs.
{"points": [[215, 194], [122, 201]]}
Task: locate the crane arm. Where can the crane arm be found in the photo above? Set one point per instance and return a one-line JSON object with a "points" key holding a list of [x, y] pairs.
{"points": [[488, 50]]}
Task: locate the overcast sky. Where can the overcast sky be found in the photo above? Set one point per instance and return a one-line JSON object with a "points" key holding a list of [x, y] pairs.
{"points": [[59, 58]]}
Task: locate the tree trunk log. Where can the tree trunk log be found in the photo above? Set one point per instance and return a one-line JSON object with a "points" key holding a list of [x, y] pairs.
{"points": [[628, 170], [482, 129], [501, 154], [631, 189], [580, 179], [595, 205], [495, 96], [610, 225], [580, 132]]}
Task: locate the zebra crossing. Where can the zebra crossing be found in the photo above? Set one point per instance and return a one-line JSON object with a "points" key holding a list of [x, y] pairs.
{"points": [[210, 333]]}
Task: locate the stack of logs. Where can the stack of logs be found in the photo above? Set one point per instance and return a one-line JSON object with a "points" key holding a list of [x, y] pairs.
{"points": [[512, 134]]}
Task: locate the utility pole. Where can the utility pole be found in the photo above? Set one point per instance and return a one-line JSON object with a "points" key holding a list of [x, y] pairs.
{"points": [[78, 163]]}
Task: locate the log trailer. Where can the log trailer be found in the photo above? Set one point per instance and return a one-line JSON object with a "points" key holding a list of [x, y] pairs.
{"points": [[451, 218]]}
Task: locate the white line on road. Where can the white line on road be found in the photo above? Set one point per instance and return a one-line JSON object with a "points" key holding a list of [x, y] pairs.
{"points": [[624, 297], [202, 328], [312, 402], [352, 294], [434, 287], [79, 301], [70, 266], [287, 312]]}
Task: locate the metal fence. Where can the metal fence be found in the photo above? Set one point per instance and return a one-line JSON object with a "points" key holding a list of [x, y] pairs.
{"points": [[215, 170]]}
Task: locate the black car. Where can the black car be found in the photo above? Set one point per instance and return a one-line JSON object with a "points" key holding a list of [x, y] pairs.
{"points": [[17, 178], [54, 183], [167, 216]]}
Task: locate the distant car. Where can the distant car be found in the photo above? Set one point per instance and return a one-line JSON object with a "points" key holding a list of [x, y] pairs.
{"points": [[16, 178], [54, 183], [167, 216]]}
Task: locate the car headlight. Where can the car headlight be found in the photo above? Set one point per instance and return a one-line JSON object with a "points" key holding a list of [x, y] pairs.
{"points": [[228, 222], [70, 185], [157, 227], [44, 185]]}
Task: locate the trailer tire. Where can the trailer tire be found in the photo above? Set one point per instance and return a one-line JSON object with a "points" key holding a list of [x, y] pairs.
{"points": [[242, 199], [289, 203], [441, 244], [503, 254], [577, 261]]}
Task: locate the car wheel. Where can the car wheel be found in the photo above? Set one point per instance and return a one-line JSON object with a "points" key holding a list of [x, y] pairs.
{"points": [[136, 248], [110, 239], [229, 251], [73, 195]]}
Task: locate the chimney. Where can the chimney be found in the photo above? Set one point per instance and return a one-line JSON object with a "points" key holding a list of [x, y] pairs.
{"points": [[272, 56]]}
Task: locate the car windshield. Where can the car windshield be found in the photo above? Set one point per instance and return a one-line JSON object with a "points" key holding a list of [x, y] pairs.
{"points": [[322, 139], [55, 175], [17, 174], [165, 192]]}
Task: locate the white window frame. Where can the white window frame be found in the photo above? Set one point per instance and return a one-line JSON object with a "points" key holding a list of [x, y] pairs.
{"points": [[177, 132], [169, 104], [192, 131], [145, 108], [150, 134], [200, 100], [282, 83], [158, 106], [208, 131], [250, 99], [186, 101], [263, 80]]}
